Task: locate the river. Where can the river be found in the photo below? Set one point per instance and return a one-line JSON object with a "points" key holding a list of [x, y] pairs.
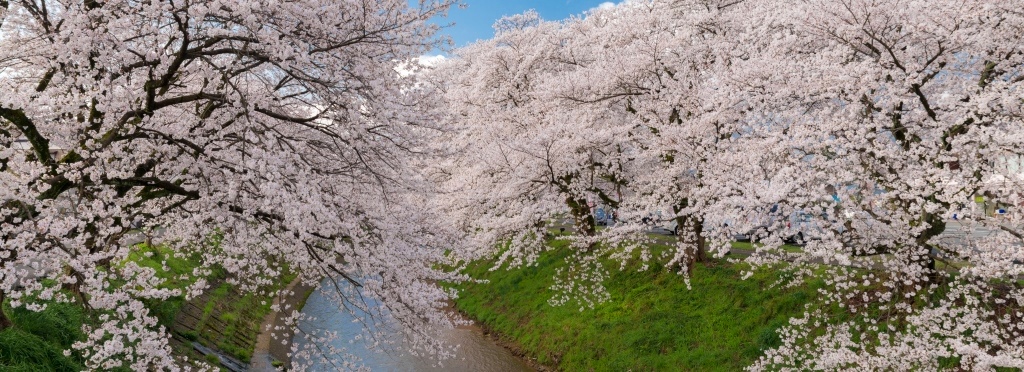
{"points": [[476, 352]]}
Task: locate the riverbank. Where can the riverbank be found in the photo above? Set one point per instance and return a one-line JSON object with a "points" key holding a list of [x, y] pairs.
{"points": [[651, 322], [509, 344], [37, 340], [493, 337], [219, 327], [273, 345]]}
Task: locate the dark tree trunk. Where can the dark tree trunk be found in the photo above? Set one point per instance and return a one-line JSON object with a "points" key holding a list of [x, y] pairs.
{"points": [[5, 322], [582, 218], [701, 243], [76, 287], [690, 231], [927, 261]]}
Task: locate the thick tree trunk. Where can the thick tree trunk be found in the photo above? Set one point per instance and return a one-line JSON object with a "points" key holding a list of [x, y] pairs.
{"points": [[927, 261], [701, 243], [583, 219], [5, 322], [690, 232]]}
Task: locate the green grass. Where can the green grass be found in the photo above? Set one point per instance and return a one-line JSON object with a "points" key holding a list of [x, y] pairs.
{"points": [[177, 276], [240, 313], [37, 340], [652, 322], [752, 246]]}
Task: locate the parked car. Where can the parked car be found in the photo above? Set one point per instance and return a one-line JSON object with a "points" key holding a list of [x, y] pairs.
{"points": [[604, 216], [670, 225], [759, 221], [801, 227], [659, 221]]}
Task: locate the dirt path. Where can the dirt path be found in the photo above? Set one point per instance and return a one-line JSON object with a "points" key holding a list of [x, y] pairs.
{"points": [[269, 345]]}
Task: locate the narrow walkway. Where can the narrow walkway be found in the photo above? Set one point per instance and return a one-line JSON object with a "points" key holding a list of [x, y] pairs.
{"points": [[275, 338]]}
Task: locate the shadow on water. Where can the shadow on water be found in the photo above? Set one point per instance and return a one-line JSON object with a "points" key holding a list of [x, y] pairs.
{"points": [[475, 352]]}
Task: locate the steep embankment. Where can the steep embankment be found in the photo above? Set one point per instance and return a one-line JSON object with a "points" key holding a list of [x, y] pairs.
{"points": [[652, 322], [224, 320]]}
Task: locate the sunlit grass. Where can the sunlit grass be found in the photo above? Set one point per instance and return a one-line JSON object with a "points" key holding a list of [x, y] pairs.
{"points": [[753, 246], [652, 322]]}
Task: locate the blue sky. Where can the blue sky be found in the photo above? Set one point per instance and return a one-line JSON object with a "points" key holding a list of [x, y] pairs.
{"points": [[474, 22]]}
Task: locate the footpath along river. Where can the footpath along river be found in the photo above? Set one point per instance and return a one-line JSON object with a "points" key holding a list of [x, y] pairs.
{"points": [[476, 352]]}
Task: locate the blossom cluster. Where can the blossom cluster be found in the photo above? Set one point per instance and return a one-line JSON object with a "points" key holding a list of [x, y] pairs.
{"points": [[885, 136], [285, 128]]}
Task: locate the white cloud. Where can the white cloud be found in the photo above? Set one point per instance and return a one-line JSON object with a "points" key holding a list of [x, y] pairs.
{"points": [[413, 66], [431, 61], [607, 5]]}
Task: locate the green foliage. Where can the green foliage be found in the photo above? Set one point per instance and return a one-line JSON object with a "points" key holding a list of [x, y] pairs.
{"points": [[229, 317], [190, 335], [653, 322], [177, 276], [166, 310], [179, 269], [38, 339], [235, 351]]}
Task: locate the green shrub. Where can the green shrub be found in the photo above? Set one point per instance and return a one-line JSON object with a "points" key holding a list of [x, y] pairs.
{"points": [[229, 317], [190, 335]]}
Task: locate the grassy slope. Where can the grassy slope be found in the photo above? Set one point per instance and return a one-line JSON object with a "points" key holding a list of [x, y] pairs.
{"points": [[653, 322], [37, 340], [177, 276], [236, 313], [241, 314]]}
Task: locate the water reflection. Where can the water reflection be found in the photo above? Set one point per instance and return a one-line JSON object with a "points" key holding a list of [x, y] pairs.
{"points": [[476, 352]]}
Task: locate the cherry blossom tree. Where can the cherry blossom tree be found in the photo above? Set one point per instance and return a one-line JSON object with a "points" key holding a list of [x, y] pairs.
{"points": [[894, 115], [285, 127], [864, 126], [662, 59], [901, 159], [527, 154], [530, 151]]}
